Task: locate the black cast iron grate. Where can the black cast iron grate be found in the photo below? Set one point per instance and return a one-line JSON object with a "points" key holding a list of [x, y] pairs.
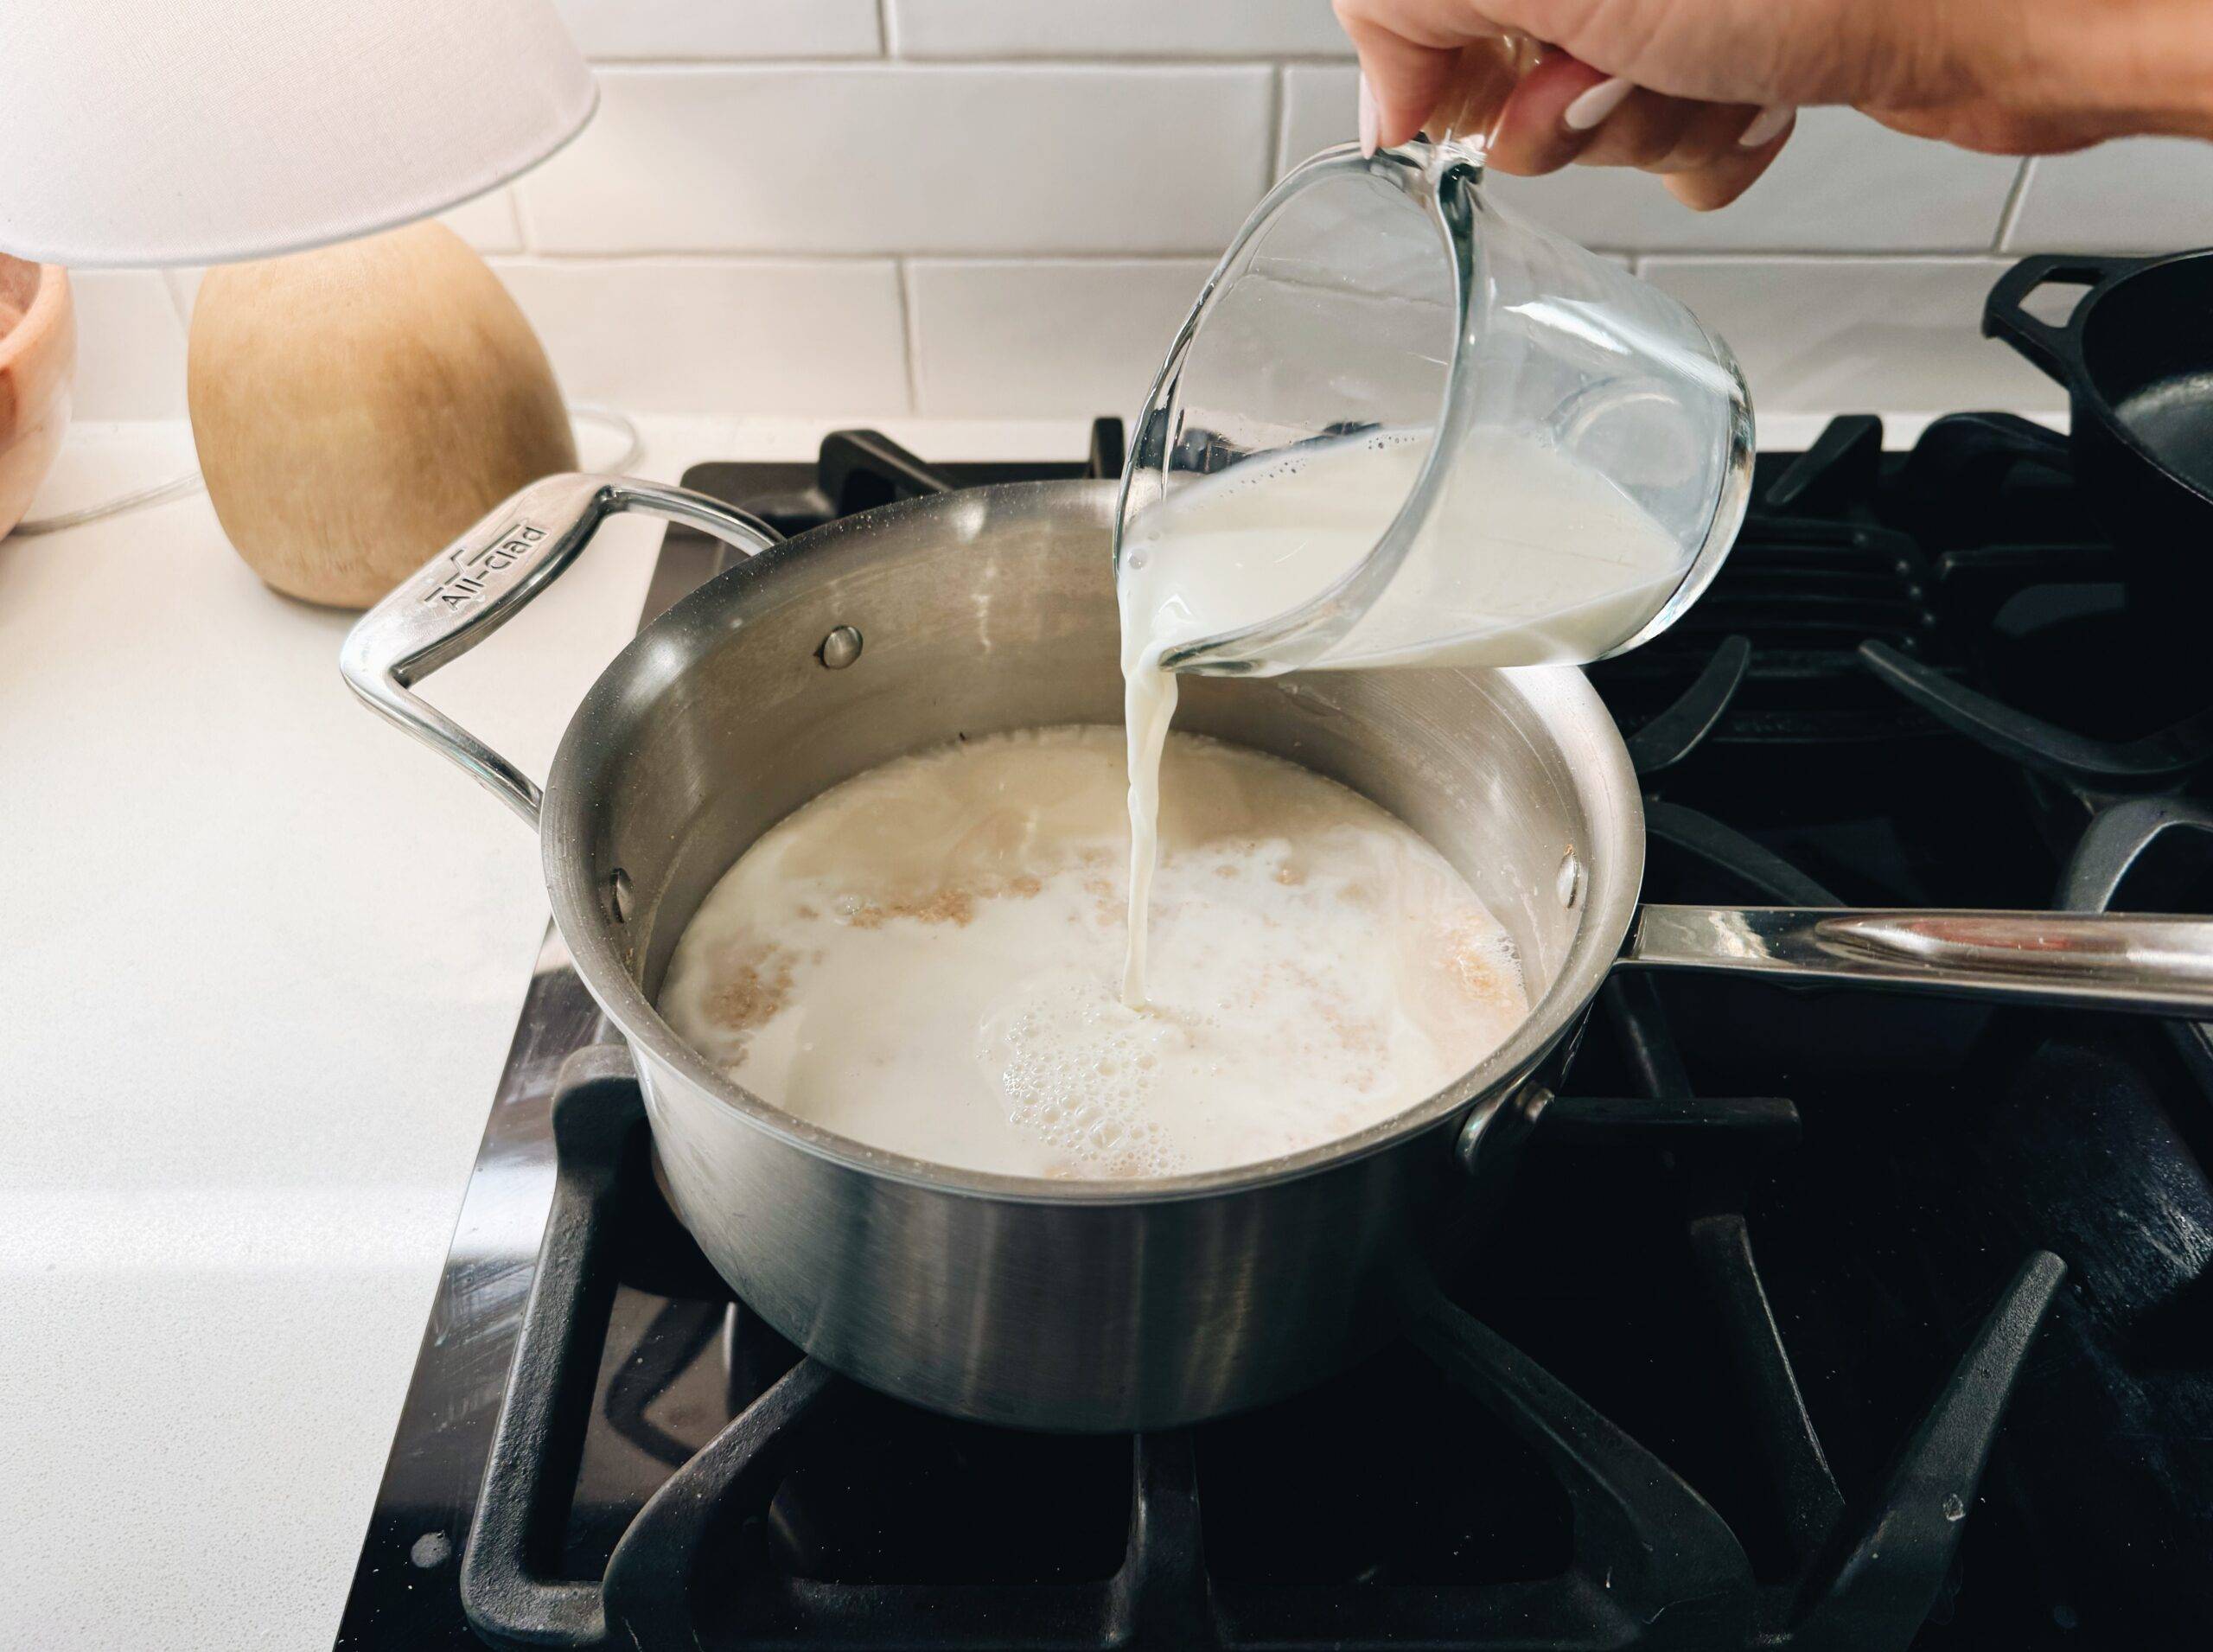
{"points": [[2047, 598]]}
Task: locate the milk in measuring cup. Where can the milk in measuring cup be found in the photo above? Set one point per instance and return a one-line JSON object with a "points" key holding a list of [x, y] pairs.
{"points": [[1528, 558]]}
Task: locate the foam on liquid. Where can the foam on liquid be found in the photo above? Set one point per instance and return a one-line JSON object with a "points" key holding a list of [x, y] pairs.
{"points": [[1530, 558], [925, 959]]}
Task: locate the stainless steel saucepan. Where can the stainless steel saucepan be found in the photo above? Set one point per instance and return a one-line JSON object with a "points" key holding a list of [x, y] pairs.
{"points": [[1097, 1305]]}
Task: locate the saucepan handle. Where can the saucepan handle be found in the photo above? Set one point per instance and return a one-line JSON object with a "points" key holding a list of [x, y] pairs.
{"points": [[481, 580], [2097, 961], [2056, 349]]}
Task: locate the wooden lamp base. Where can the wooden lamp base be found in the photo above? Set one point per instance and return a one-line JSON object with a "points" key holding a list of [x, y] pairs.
{"points": [[358, 406]]}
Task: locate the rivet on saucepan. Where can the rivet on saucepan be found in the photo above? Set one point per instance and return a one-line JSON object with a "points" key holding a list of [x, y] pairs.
{"points": [[1570, 883], [840, 648], [618, 895]]}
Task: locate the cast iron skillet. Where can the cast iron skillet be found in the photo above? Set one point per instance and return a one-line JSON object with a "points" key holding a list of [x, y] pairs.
{"points": [[2136, 357]]}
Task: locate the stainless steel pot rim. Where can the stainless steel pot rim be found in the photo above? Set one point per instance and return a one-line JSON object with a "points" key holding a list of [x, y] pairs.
{"points": [[641, 1024], [565, 841]]}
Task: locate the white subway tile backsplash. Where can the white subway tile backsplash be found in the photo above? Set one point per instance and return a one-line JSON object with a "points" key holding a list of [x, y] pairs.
{"points": [[718, 29], [1038, 339], [1839, 335], [1115, 28], [129, 346], [487, 223], [1002, 207], [1841, 184], [184, 289], [720, 337], [916, 159], [1321, 106], [2141, 194]]}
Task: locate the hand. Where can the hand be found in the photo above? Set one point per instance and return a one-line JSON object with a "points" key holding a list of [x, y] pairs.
{"points": [[1703, 92]]}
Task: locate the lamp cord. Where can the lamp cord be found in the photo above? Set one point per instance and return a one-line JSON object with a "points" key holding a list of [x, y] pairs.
{"points": [[174, 488], [177, 487]]}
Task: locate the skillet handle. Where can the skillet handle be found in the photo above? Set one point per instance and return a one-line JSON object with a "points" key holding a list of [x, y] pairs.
{"points": [[2103, 961], [2056, 351], [481, 580]]}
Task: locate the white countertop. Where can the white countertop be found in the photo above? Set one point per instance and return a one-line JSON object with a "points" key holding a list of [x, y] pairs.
{"points": [[262, 958]]}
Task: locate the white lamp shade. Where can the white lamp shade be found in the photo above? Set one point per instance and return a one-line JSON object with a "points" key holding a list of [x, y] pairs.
{"points": [[197, 132]]}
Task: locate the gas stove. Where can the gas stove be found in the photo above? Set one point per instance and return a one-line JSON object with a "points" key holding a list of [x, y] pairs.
{"points": [[1815, 1320]]}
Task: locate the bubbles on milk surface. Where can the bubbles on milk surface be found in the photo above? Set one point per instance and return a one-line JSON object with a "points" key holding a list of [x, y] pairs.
{"points": [[927, 959], [1082, 1073]]}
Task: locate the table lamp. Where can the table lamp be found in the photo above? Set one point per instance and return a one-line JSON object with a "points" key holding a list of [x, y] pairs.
{"points": [[356, 403]]}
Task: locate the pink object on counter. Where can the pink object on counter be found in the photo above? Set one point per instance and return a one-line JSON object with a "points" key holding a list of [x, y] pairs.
{"points": [[38, 358]]}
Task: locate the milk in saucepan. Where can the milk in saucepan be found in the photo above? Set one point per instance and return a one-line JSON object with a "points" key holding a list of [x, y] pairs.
{"points": [[1529, 558], [926, 959]]}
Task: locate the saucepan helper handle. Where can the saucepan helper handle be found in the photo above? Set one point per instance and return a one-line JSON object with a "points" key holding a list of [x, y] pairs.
{"points": [[2102, 960], [481, 580]]}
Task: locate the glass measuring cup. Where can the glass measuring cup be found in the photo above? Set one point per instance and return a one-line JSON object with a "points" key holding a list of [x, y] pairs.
{"points": [[1575, 447]]}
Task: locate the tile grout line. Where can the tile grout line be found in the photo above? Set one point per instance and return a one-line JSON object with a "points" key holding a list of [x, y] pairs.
{"points": [[173, 284], [1278, 139], [1808, 255], [882, 63], [523, 229], [553, 258], [772, 258], [2010, 215], [884, 47], [910, 335]]}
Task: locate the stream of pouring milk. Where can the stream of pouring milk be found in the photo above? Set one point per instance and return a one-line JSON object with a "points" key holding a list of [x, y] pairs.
{"points": [[1530, 560]]}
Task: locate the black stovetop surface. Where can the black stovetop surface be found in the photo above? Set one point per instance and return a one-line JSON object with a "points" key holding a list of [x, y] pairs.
{"points": [[1811, 1319]]}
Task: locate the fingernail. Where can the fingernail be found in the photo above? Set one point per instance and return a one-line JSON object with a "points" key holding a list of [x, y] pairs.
{"points": [[1371, 121], [1766, 126], [1592, 107]]}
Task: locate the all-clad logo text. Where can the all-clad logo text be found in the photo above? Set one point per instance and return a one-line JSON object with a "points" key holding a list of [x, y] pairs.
{"points": [[472, 569]]}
